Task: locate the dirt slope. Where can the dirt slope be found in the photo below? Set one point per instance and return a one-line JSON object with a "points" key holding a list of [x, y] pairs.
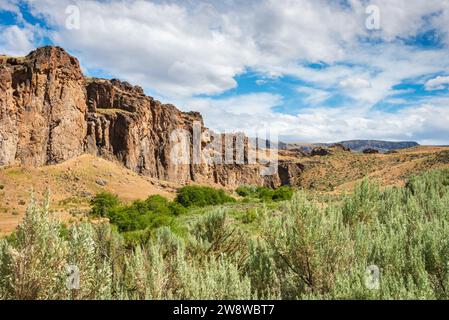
{"points": [[71, 185]]}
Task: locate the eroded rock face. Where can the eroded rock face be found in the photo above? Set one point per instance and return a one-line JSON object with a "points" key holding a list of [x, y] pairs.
{"points": [[50, 113], [289, 173], [126, 125], [42, 108], [140, 132]]}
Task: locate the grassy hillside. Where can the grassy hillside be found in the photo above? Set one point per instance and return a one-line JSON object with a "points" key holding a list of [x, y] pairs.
{"points": [[341, 170], [72, 184]]}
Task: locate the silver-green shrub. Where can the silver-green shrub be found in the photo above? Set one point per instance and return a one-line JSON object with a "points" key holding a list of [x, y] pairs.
{"points": [[306, 249]]}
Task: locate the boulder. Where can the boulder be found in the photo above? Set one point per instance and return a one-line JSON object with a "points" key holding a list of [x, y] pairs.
{"points": [[320, 151], [341, 147], [370, 151]]}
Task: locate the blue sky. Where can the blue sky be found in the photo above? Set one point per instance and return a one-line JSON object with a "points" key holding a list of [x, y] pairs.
{"points": [[306, 70]]}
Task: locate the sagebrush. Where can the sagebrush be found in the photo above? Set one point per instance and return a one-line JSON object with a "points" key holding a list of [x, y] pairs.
{"points": [[305, 249]]}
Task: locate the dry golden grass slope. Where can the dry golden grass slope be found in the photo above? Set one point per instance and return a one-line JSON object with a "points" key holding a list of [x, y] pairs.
{"points": [[342, 170], [71, 185]]}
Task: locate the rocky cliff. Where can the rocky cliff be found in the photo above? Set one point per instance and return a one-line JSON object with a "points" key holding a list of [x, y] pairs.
{"points": [[49, 113], [42, 108]]}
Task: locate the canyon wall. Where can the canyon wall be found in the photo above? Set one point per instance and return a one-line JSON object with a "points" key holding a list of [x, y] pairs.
{"points": [[49, 113]]}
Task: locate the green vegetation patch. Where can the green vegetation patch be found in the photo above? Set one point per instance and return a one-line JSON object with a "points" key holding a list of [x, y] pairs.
{"points": [[198, 196], [15, 172], [266, 194], [154, 212]]}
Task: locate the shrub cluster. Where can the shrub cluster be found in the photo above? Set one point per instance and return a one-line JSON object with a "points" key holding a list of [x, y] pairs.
{"points": [[304, 250], [199, 196], [140, 217], [35, 263], [154, 212], [266, 194]]}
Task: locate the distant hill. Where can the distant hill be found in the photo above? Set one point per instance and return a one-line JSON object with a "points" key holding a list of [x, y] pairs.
{"points": [[354, 145], [382, 146]]}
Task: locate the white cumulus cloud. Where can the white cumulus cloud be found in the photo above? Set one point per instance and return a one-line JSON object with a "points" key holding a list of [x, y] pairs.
{"points": [[179, 50], [438, 83], [16, 41], [355, 83]]}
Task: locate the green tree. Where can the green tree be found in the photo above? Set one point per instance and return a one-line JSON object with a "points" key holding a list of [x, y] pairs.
{"points": [[102, 203]]}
